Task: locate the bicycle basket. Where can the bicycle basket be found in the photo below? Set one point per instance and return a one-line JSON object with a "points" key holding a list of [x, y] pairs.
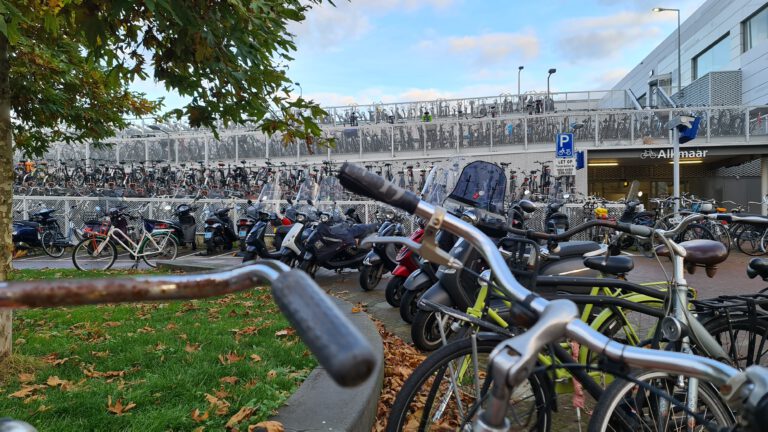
{"points": [[522, 257]]}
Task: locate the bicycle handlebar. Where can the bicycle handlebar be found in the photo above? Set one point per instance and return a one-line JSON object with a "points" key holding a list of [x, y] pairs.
{"points": [[317, 320]]}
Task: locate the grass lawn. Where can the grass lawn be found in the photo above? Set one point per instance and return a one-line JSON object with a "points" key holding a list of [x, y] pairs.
{"points": [[151, 366]]}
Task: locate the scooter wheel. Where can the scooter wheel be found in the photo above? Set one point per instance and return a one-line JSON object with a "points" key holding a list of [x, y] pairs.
{"points": [[409, 305], [370, 276], [394, 291], [425, 332], [308, 267]]}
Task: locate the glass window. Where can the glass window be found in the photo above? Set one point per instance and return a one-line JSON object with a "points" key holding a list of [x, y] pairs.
{"points": [[716, 57], [755, 29]]}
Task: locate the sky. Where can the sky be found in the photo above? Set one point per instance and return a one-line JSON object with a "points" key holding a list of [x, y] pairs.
{"points": [[368, 51]]}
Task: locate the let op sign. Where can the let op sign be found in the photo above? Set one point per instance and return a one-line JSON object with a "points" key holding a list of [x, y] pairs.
{"points": [[565, 160]]}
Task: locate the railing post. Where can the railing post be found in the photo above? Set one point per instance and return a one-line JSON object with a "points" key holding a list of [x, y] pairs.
{"points": [[146, 150], [66, 217], [266, 144], [25, 208], [746, 124], [117, 152], [360, 141], [458, 136], [566, 101], [492, 123], [87, 153], [597, 127], [709, 125], [391, 143], [525, 135], [205, 149], [424, 138], [632, 129], [237, 153], [298, 150]]}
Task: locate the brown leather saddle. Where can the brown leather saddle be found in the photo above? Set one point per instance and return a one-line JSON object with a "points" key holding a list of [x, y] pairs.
{"points": [[700, 253]]}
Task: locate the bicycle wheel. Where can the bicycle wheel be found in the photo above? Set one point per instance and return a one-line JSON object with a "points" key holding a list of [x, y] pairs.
{"points": [[721, 233], [93, 254], [441, 392], [749, 241], [166, 248], [51, 246], [631, 327], [627, 407], [695, 232], [744, 339]]}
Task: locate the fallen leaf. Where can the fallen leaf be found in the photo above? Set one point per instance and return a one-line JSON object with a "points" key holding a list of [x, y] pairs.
{"points": [[100, 354], [54, 381], [221, 393], [267, 426], [26, 377], [170, 326], [251, 384], [91, 373], [118, 408], [145, 329], [190, 348], [229, 379], [160, 346], [53, 359], [112, 324], [356, 309], [196, 416], [230, 357], [271, 374], [26, 391], [222, 406], [244, 413], [255, 357], [285, 332]]}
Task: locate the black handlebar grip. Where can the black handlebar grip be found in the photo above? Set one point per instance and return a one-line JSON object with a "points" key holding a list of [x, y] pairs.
{"points": [[639, 230], [336, 343], [357, 179]]}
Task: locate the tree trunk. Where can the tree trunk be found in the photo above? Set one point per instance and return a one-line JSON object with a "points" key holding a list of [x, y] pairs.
{"points": [[6, 191]]}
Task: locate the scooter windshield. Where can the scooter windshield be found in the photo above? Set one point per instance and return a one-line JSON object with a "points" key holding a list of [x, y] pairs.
{"points": [[441, 179], [330, 193], [481, 185], [269, 198]]}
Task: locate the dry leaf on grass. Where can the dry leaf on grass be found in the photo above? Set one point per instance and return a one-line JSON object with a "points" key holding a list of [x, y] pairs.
{"points": [[100, 354], [26, 391], [285, 332], [271, 374], [230, 357], [196, 416], [112, 324], [267, 426], [221, 406], [255, 358], [26, 377], [190, 348], [244, 413], [54, 381], [229, 379], [118, 408], [53, 359]]}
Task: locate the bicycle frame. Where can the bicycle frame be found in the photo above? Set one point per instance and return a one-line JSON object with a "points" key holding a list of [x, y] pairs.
{"points": [[134, 248]]}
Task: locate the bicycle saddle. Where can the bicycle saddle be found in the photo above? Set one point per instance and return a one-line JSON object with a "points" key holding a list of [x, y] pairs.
{"points": [[701, 253], [758, 267], [614, 265]]}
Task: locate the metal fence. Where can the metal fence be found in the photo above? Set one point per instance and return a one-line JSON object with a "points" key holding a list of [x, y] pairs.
{"points": [[80, 209], [443, 136]]}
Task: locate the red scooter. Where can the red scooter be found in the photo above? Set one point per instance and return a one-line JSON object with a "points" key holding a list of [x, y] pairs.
{"points": [[407, 263]]}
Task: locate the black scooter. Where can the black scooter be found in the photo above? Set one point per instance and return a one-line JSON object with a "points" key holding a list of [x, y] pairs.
{"points": [[219, 231], [335, 246], [183, 228], [255, 244], [383, 257]]}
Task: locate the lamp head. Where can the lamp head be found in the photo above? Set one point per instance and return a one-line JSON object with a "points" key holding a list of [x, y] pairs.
{"points": [[658, 9], [553, 70], [520, 68]]}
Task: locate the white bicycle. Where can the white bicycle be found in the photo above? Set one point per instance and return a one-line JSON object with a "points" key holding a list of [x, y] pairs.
{"points": [[99, 251]]}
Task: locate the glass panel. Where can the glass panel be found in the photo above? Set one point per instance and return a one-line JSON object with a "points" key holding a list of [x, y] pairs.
{"points": [[758, 122], [650, 127], [376, 139], [727, 122], [132, 151], [582, 127], [614, 128], [543, 129], [159, 149], [756, 29], [105, 153], [252, 146], [714, 58]]}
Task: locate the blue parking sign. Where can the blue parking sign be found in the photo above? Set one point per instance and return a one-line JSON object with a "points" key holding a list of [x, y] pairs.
{"points": [[564, 145]]}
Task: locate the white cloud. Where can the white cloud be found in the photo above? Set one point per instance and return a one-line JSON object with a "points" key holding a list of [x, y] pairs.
{"points": [[609, 78], [486, 49], [326, 27], [597, 38]]}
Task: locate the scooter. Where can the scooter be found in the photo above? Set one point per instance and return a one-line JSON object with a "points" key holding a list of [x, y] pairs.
{"points": [[245, 225], [335, 246], [407, 263], [383, 257], [555, 222], [219, 231], [255, 244]]}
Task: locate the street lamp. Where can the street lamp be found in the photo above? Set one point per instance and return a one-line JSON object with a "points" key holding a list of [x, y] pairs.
{"points": [[551, 71], [301, 90], [519, 102], [679, 71]]}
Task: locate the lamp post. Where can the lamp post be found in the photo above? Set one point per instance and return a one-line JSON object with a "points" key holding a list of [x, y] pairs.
{"points": [[679, 71], [519, 102], [301, 90], [551, 71]]}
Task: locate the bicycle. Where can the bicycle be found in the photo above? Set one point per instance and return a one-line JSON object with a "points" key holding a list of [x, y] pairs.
{"points": [[99, 251], [514, 360]]}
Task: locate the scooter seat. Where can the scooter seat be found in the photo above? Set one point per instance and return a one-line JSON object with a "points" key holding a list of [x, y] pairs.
{"points": [[27, 223], [576, 248], [758, 267], [360, 231], [614, 265]]}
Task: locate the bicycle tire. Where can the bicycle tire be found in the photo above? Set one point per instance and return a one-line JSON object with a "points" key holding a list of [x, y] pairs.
{"points": [[408, 306], [748, 241], [48, 240], [695, 232], [751, 336], [438, 362], [168, 248], [425, 331], [635, 403], [103, 261], [721, 234]]}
